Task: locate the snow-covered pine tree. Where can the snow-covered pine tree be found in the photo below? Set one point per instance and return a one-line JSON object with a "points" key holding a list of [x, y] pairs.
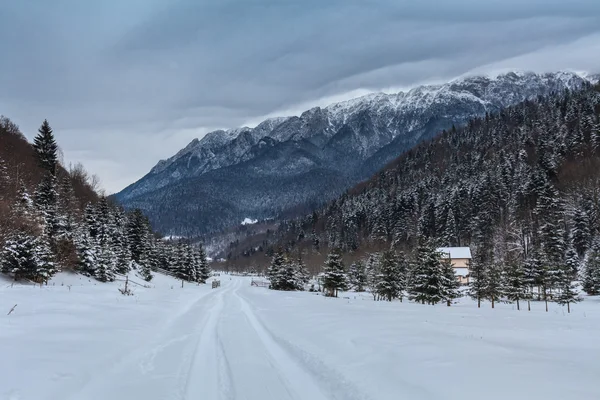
{"points": [[301, 274], [203, 266], [287, 278], [591, 272], [479, 269], [26, 256], [46, 148], [45, 266], [274, 271], [87, 252], [372, 267], [427, 279], [494, 289], [46, 203], [23, 208], [19, 256], [450, 285], [357, 276], [572, 261], [514, 282], [334, 274], [391, 279], [105, 264], [567, 289], [190, 265]]}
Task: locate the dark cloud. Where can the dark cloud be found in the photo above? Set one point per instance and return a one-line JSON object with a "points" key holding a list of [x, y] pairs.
{"points": [[149, 75]]}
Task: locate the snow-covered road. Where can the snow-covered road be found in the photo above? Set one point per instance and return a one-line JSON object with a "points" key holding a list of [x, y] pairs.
{"points": [[243, 342]]}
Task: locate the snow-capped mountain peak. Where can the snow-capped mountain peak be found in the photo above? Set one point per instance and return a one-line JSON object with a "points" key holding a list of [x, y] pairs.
{"points": [[345, 142]]}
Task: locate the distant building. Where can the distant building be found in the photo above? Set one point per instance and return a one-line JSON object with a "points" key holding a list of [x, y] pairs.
{"points": [[460, 257]]}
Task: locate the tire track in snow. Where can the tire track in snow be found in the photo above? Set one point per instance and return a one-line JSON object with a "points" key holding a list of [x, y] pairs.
{"points": [[206, 376], [141, 358], [299, 383], [323, 378]]}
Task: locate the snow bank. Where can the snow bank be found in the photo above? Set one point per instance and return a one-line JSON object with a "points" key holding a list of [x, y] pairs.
{"points": [[78, 339]]}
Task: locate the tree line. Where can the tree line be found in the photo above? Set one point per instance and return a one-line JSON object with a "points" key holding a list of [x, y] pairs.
{"points": [[520, 187], [54, 226]]}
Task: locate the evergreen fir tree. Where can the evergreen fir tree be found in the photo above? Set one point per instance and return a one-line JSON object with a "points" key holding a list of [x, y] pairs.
{"points": [[24, 204], [274, 271], [514, 282], [568, 293], [87, 254], [494, 288], [391, 279], [572, 261], [450, 285], [357, 276], [26, 256], [45, 266], [46, 201], [204, 271], [105, 266], [372, 267], [478, 283], [591, 273], [427, 283], [301, 274], [334, 275], [46, 148], [18, 256]]}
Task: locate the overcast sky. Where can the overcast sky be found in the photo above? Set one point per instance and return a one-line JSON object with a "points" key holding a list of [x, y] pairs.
{"points": [[125, 83]]}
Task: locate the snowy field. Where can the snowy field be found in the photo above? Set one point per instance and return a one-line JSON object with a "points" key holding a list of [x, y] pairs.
{"points": [[242, 342]]}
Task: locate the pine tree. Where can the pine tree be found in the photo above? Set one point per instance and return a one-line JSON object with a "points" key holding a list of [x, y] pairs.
{"points": [[334, 275], [27, 256], [87, 254], [591, 273], [372, 267], [357, 276], [46, 148], [301, 274], [567, 289], [450, 284], [46, 202], [514, 282], [105, 266], [274, 271], [24, 204], [391, 279], [479, 269], [427, 283], [45, 266], [203, 267], [18, 256], [494, 288]]}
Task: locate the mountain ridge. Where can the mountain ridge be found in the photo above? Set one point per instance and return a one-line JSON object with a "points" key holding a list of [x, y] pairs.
{"points": [[354, 138]]}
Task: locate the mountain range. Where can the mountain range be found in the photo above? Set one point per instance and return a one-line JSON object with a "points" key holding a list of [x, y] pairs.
{"points": [[291, 165]]}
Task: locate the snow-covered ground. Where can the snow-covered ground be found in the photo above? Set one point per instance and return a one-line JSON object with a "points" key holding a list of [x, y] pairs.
{"points": [[243, 342]]}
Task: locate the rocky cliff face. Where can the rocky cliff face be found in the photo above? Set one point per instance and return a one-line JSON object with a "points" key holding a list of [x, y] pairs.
{"points": [[295, 163]]}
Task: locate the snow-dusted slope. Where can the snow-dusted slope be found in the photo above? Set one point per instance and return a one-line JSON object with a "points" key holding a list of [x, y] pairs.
{"points": [[242, 342], [350, 139]]}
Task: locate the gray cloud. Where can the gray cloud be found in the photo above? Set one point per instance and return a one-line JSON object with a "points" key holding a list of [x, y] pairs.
{"points": [[127, 83]]}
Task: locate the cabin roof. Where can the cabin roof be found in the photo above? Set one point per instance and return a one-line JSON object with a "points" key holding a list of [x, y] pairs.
{"points": [[455, 252]]}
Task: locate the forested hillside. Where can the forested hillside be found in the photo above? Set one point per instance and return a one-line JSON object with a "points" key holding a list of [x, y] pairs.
{"points": [[286, 167], [520, 187], [53, 219]]}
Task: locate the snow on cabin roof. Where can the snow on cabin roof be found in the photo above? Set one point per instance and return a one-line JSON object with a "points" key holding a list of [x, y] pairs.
{"points": [[461, 271], [455, 252]]}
